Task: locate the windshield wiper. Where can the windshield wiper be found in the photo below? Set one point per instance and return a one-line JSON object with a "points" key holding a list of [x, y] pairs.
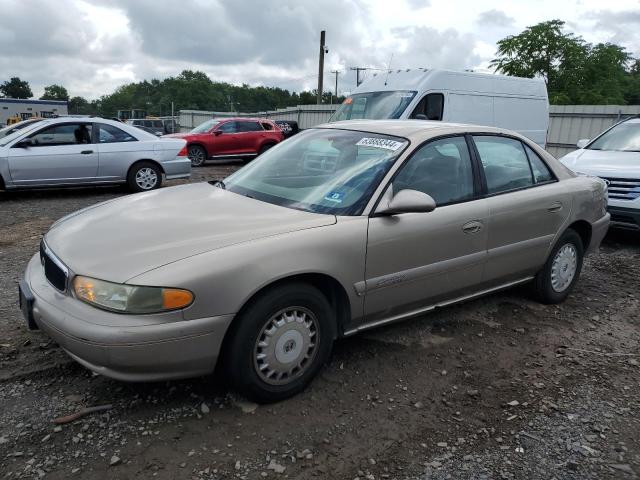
{"points": [[218, 183]]}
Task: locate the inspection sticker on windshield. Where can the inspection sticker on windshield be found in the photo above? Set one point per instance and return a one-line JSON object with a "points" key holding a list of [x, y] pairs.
{"points": [[335, 197], [379, 143]]}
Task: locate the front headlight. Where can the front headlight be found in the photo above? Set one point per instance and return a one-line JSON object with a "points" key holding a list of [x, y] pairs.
{"points": [[123, 298]]}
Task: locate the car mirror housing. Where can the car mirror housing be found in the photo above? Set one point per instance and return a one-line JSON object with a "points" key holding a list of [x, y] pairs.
{"points": [[407, 201], [217, 133], [26, 143], [583, 142]]}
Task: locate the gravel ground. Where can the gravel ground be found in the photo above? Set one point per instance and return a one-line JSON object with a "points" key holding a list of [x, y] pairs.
{"points": [[500, 387]]}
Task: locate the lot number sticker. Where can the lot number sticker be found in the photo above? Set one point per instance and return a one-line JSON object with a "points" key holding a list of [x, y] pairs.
{"points": [[380, 143]]}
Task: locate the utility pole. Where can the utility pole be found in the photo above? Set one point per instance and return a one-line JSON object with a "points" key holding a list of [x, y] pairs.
{"points": [[323, 50], [336, 72], [358, 70]]}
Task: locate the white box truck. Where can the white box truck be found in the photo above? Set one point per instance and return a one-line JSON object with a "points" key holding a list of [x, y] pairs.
{"points": [[519, 104]]}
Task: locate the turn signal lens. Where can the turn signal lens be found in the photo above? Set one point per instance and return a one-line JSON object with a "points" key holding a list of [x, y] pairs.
{"points": [[184, 152], [125, 298]]}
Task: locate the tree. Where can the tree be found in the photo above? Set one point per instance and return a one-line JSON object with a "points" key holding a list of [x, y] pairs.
{"points": [[55, 92], [80, 106], [16, 88], [576, 72]]}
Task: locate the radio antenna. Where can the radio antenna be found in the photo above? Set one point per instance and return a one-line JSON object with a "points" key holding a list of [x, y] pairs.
{"points": [[388, 70]]}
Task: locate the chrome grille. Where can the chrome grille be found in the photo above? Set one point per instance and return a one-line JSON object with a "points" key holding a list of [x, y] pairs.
{"points": [[623, 188]]}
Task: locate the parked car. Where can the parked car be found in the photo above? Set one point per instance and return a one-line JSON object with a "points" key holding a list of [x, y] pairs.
{"points": [[520, 104], [264, 270], [289, 127], [18, 126], [224, 138], [79, 151], [614, 156], [155, 125]]}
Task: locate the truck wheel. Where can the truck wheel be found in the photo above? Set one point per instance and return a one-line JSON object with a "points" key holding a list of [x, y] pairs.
{"points": [[561, 271], [197, 155], [279, 342], [144, 176]]}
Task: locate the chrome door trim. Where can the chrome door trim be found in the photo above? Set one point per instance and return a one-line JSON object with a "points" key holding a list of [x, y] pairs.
{"points": [[429, 308]]}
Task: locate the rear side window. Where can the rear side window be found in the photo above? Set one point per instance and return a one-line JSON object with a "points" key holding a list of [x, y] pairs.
{"points": [[442, 169], [505, 163], [541, 172], [249, 127], [266, 126], [158, 124], [111, 134]]}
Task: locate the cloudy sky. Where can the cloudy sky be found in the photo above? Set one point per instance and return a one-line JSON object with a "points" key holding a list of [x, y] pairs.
{"points": [[92, 46]]}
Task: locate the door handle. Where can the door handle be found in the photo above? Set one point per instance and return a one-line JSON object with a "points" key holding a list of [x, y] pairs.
{"points": [[472, 227], [86, 152], [555, 207]]}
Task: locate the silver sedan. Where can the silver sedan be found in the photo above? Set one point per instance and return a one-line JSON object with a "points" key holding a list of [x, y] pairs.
{"points": [[71, 151], [339, 229]]}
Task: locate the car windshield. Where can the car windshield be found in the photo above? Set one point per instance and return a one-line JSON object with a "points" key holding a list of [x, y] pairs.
{"points": [[16, 126], [624, 137], [320, 170], [206, 126], [374, 105], [30, 126]]}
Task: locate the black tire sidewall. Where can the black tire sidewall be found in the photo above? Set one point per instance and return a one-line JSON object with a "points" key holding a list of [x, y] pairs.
{"points": [[131, 178], [196, 147], [542, 284], [239, 351]]}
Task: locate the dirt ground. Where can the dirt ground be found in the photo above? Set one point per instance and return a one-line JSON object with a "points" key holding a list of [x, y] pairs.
{"points": [[496, 388]]}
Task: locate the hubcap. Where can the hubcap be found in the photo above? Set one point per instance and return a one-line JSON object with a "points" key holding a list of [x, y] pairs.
{"points": [[146, 178], [564, 267], [286, 345], [196, 155]]}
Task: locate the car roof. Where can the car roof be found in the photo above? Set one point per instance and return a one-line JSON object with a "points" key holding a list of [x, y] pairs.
{"points": [[412, 129], [250, 119]]}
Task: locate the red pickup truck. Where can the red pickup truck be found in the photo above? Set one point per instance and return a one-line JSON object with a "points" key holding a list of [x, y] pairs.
{"points": [[221, 138]]}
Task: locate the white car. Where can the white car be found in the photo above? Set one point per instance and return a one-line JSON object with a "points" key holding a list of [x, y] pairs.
{"points": [[71, 151], [615, 157]]}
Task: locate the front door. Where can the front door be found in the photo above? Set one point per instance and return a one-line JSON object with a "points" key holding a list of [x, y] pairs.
{"points": [[225, 139], [59, 154], [417, 259]]}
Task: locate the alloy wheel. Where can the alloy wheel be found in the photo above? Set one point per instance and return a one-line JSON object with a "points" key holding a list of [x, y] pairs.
{"points": [[146, 178]]}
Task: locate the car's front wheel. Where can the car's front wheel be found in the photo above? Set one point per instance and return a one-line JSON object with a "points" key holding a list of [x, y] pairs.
{"points": [[144, 176], [279, 342], [554, 282], [197, 155]]}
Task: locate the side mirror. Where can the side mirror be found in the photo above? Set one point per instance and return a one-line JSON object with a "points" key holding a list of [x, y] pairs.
{"points": [[26, 143], [407, 201], [583, 142], [421, 116], [217, 133], [158, 134]]}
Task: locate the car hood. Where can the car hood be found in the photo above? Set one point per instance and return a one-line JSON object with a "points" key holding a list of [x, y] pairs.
{"points": [[123, 238], [603, 163]]}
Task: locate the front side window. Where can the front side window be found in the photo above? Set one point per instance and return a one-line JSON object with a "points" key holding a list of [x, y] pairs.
{"points": [[320, 170], [228, 127], [206, 126], [111, 134], [624, 137], [64, 134], [442, 169], [374, 105], [431, 107], [505, 163]]}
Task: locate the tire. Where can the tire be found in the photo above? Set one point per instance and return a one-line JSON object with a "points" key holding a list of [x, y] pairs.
{"points": [[268, 361], [144, 177], [554, 282], [197, 155], [264, 148]]}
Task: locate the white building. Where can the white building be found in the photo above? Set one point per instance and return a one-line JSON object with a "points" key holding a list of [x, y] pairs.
{"points": [[12, 107]]}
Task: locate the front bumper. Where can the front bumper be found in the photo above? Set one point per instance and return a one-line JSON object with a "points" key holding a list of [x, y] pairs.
{"points": [[599, 229], [180, 167], [125, 347], [625, 217]]}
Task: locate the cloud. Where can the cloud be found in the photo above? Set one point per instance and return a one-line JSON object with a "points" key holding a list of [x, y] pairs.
{"points": [[621, 27], [495, 18]]}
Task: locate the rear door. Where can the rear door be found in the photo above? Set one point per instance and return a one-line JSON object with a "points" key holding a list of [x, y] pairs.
{"points": [[527, 205], [417, 259], [63, 153]]}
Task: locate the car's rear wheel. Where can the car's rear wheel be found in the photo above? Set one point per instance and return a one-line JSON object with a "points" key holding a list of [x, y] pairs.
{"points": [[279, 342], [264, 148], [197, 155], [144, 176], [554, 282]]}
